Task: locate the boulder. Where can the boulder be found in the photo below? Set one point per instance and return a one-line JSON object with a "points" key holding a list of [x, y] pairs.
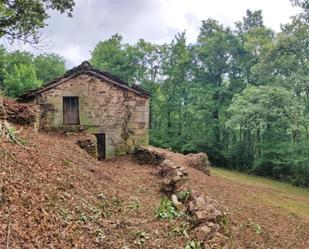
{"points": [[89, 145], [215, 215], [210, 201], [213, 226], [197, 203], [207, 231], [146, 155], [169, 168], [199, 161], [170, 185], [210, 214], [203, 233]]}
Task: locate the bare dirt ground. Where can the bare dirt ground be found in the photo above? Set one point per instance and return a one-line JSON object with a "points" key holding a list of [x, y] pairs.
{"points": [[54, 195], [263, 213]]}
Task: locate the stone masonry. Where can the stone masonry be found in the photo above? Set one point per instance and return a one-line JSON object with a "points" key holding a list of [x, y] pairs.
{"points": [[121, 114]]}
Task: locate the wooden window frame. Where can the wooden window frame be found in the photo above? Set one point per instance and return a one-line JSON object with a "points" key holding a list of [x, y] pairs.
{"points": [[63, 106]]}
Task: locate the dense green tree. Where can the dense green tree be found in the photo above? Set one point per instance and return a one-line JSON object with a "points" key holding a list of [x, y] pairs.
{"points": [[175, 93], [252, 20], [286, 64], [49, 66], [289, 57], [256, 41], [22, 19], [22, 78], [304, 4], [114, 56], [264, 120], [9, 60], [214, 63], [148, 59], [239, 95], [3, 55], [17, 57]]}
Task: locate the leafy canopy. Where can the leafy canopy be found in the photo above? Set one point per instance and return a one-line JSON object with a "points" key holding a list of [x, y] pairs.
{"points": [[22, 78], [49, 66], [22, 19]]}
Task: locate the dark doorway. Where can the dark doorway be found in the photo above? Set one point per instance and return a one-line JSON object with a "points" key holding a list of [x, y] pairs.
{"points": [[70, 111], [101, 146]]}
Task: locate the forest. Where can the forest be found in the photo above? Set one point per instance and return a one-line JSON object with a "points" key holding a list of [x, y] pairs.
{"points": [[240, 94]]}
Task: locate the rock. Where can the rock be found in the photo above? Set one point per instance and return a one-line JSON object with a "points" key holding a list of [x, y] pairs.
{"points": [[199, 161], [213, 226], [200, 202], [201, 216], [183, 171], [207, 232], [203, 233], [197, 203], [210, 201], [168, 185], [172, 175], [214, 214], [170, 168], [89, 145], [146, 155], [177, 204], [173, 184], [102, 196], [176, 178], [167, 168], [209, 214]]}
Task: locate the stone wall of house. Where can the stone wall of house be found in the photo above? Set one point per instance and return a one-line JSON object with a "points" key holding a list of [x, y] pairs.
{"points": [[123, 116]]}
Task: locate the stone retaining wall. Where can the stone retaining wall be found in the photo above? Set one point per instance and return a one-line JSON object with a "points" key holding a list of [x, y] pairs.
{"points": [[204, 212]]}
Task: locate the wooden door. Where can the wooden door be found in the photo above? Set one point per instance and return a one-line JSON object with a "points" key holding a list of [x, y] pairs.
{"points": [[70, 111], [101, 146]]}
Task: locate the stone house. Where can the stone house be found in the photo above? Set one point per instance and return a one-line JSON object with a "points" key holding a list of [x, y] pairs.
{"points": [[87, 99]]}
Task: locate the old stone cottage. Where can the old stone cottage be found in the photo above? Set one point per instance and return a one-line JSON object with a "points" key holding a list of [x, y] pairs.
{"points": [[96, 102]]}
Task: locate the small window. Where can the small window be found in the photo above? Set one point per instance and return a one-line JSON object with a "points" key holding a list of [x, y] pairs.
{"points": [[70, 111]]}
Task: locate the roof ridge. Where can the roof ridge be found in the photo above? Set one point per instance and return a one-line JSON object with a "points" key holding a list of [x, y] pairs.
{"points": [[85, 67]]}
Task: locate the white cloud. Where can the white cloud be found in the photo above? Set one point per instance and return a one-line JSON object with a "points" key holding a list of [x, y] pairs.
{"points": [[156, 21]]}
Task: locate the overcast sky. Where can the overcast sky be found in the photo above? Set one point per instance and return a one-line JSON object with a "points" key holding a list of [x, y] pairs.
{"points": [[156, 21]]}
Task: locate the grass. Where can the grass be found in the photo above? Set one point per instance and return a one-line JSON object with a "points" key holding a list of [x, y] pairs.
{"points": [[278, 194]]}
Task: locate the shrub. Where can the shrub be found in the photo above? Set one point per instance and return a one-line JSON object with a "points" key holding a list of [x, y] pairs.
{"points": [[166, 210], [10, 133]]}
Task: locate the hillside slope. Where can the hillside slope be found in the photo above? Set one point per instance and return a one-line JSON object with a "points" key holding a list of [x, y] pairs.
{"points": [[54, 195], [262, 213]]}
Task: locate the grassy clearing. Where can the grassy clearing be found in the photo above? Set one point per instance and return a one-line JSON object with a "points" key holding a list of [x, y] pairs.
{"points": [[278, 194]]}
